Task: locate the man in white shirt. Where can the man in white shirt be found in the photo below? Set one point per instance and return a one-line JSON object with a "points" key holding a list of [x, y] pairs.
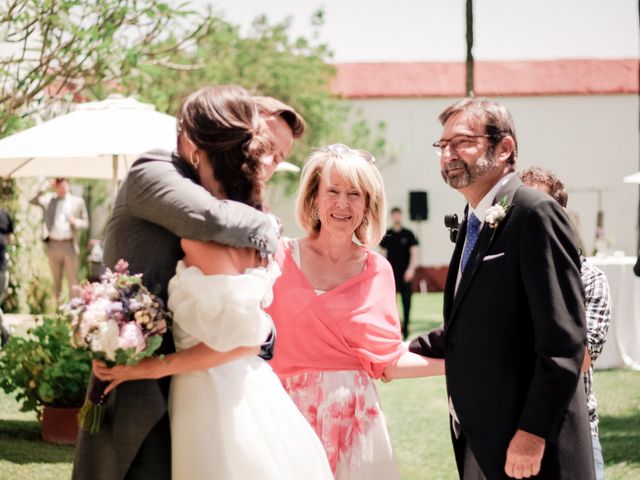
{"points": [[64, 216]]}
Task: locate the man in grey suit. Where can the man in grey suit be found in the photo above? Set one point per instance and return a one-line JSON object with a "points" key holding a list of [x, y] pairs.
{"points": [[64, 216], [165, 198]]}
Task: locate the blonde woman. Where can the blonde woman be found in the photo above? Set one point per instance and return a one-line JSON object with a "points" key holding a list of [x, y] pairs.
{"points": [[336, 317]]}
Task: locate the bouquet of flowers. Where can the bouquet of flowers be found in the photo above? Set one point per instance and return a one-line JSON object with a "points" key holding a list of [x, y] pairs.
{"points": [[119, 322]]}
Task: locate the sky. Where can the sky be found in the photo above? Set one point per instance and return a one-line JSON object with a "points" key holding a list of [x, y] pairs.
{"points": [[434, 30]]}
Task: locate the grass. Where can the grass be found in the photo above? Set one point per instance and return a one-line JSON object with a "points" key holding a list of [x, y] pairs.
{"points": [[416, 412], [23, 455]]}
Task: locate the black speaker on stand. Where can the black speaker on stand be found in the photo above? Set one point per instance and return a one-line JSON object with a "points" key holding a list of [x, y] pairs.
{"points": [[419, 212], [418, 206]]}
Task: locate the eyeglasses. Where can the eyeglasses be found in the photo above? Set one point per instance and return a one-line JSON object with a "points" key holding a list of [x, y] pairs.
{"points": [[457, 143], [342, 149]]}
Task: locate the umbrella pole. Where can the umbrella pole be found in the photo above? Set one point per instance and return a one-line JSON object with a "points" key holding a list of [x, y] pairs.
{"points": [[114, 186]]}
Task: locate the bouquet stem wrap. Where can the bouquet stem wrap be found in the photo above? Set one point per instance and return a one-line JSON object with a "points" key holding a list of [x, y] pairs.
{"points": [[120, 322], [92, 412]]}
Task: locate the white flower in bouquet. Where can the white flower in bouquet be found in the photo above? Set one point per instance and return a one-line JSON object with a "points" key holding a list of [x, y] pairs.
{"points": [[105, 338], [131, 336], [91, 321]]}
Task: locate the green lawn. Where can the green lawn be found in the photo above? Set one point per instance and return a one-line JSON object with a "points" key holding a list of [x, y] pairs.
{"points": [[416, 412], [23, 455]]}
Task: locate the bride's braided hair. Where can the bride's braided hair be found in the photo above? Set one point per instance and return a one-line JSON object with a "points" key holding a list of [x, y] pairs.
{"points": [[223, 121]]}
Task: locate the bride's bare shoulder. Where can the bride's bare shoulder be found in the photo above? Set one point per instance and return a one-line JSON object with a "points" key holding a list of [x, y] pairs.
{"points": [[217, 259]]}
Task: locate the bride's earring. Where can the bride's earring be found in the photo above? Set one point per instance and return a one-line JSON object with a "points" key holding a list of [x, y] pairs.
{"points": [[194, 159]]}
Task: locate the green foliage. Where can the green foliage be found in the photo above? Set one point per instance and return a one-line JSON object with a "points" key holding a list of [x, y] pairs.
{"points": [[55, 49], [91, 47], [29, 278], [51, 52], [44, 369], [265, 62]]}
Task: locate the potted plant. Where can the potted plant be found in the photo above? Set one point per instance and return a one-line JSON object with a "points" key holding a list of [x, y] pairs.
{"points": [[49, 376]]}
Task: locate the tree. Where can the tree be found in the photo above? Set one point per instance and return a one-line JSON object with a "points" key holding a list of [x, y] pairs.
{"points": [[66, 47], [266, 62], [51, 50], [54, 50]]}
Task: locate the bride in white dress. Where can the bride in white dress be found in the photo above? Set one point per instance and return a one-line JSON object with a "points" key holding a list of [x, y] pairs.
{"points": [[234, 421], [231, 419]]}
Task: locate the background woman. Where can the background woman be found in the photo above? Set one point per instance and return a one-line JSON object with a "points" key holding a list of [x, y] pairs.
{"points": [[335, 313]]}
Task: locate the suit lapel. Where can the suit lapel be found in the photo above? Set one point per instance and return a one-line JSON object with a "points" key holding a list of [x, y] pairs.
{"points": [[484, 242]]}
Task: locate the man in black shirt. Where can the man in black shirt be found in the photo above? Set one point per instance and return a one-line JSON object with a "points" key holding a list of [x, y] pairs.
{"points": [[6, 228], [401, 247]]}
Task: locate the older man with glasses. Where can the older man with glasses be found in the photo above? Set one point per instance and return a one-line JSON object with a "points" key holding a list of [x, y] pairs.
{"points": [[514, 319]]}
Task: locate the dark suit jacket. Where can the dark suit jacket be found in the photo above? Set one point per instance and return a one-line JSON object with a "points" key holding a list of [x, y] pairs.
{"points": [[158, 204], [513, 339]]}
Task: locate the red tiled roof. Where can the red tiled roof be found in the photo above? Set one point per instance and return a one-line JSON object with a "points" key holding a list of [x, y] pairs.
{"points": [[505, 78]]}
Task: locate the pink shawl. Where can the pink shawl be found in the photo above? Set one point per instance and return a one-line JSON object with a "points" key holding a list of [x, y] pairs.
{"points": [[353, 326]]}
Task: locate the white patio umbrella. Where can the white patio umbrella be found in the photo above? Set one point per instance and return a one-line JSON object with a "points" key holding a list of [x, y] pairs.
{"points": [[633, 178], [96, 140]]}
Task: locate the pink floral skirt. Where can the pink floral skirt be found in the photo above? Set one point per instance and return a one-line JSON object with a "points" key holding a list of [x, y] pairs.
{"points": [[344, 409]]}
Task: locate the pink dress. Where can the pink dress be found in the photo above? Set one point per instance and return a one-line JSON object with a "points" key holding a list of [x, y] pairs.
{"points": [[329, 347]]}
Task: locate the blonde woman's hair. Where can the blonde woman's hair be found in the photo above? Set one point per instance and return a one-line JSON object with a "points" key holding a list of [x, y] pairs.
{"points": [[358, 168]]}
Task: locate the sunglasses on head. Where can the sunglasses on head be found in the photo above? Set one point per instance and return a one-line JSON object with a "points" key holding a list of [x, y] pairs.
{"points": [[342, 149]]}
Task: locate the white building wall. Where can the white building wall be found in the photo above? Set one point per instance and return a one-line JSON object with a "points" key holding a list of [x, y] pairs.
{"points": [[591, 142]]}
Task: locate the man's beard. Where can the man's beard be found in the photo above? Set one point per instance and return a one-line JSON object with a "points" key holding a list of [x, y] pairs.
{"points": [[471, 173]]}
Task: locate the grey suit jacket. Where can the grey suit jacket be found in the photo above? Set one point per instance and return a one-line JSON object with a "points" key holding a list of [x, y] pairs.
{"points": [[48, 201], [159, 203]]}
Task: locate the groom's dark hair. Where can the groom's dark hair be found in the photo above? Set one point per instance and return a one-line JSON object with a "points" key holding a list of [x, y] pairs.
{"points": [[498, 122], [272, 107]]}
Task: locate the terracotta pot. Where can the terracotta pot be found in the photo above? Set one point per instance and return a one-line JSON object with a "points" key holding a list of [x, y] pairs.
{"points": [[60, 425]]}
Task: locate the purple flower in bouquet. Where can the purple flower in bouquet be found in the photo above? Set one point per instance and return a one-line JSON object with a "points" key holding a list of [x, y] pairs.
{"points": [[119, 322]]}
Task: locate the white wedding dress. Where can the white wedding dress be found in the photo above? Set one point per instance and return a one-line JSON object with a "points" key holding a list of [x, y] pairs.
{"points": [[235, 421]]}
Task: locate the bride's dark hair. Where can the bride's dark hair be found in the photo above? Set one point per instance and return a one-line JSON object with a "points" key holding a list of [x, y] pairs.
{"points": [[223, 121]]}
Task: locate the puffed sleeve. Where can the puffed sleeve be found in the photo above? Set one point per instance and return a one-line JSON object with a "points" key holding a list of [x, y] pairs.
{"points": [[372, 330], [222, 311]]}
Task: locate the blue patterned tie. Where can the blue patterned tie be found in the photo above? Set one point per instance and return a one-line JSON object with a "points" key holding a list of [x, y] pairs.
{"points": [[473, 228]]}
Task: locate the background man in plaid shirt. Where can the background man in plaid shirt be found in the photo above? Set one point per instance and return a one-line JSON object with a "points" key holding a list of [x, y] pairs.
{"points": [[598, 310]]}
